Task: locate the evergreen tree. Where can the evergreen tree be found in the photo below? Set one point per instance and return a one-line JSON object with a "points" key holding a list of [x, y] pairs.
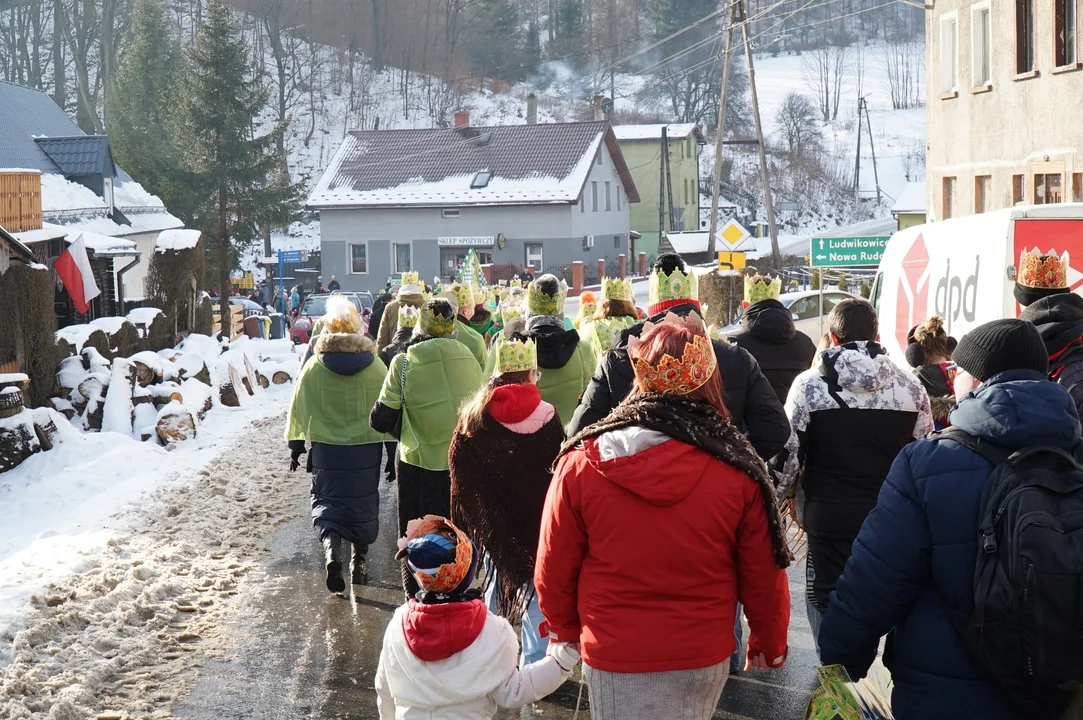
{"points": [[237, 173], [498, 46], [570, 33], [140, 103]]}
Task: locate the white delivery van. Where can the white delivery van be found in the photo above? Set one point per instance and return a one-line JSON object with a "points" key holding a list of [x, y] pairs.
{"points": [[963, 269]]}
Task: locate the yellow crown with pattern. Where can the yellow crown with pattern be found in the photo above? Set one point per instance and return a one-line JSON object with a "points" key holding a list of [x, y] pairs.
{"points": [[481, 295], [539, 302], [761, 287], [435, 325], [341, 316], [675, 286], [517, 356], [515, 282], [411, 278], [616, 289], [407, 317], [510, 309], [676, 376], [1040, 270], [463, 295]]}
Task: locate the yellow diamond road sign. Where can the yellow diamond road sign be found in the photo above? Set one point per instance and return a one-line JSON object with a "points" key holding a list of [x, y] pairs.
{"points": [[732, 234]]}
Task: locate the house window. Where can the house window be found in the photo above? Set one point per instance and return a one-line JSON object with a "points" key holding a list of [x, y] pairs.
{"points": [[1064, 17], [949, 55], [982, 184], [620, 189], [982, 54], [401, 258], [949, 198], [608, 200], [1017, 189], [534, 256], [359, 258], [1077, 187], [107, 191], [1048, 189], [1024, 36], [481, 179], [594, 196], [583, 201], [599, 156], [616, 242], [448, 213]]}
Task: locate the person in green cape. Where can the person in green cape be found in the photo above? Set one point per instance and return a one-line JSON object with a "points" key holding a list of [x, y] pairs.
{"points": [[615, 314], [419, 404], [334, 394], [461, 298], [566, 363]]}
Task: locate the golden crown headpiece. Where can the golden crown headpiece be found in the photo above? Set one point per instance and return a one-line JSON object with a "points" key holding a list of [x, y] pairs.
{"points": [[675, 286], [435, 325], [673, 376], [616, 289], [408, 317], [464, 296], [411, 278], [510, 309], [481, 294], [1043, 271], [517, 356], [515, 282], [539, 302], [761, 287], [341, 316]]}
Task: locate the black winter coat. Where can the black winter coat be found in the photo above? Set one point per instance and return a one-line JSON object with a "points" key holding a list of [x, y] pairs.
{"points": [[1059, 319], [754, 407], [768, 334]]}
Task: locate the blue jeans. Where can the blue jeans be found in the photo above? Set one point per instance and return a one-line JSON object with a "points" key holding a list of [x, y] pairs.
{"points": [[534, 645], [737, 660]]}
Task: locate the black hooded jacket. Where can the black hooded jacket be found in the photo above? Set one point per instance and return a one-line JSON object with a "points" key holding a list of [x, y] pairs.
{"points": [[768, 334], [754, 407], [1059, 319]]}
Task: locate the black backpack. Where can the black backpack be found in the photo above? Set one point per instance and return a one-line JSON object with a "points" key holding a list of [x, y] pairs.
{"points": [[1025, 633]]}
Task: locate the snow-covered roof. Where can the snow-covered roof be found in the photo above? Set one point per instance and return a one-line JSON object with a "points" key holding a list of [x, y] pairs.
{"points": [[44, 233], [523, 164], [674, 131], [80, 208], [688, 242], [180, 239], [97, 242], [911, 199]]}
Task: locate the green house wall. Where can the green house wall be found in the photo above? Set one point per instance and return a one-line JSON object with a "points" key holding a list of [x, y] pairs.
{"points": [[644, 158]]}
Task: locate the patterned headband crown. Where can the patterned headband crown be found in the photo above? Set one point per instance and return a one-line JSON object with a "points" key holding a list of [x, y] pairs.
{"points": [[760, 287], [435, 325], [672, 376], [510, 309], [407, 317], [517, 356], [675, 286], [411, 278], [448, 577], [515, 282], [541, 303], [1046, 271], [463, 295], [616, 289]]}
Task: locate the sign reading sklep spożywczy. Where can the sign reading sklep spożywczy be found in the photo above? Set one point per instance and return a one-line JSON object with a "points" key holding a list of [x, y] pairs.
{"points": [[467, 241], [847, 252]]}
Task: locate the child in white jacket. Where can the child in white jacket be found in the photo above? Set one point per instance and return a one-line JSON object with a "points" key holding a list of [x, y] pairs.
{"points": [[445, 656]]}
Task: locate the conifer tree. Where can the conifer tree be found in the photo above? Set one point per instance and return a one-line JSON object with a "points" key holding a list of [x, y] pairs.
{"points": [[237, 173]]}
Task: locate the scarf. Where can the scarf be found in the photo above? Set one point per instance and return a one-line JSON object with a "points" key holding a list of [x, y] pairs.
{"points": [[697, 424]]}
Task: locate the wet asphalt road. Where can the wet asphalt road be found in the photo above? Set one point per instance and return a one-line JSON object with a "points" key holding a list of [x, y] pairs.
{"points": [[296, 652]]}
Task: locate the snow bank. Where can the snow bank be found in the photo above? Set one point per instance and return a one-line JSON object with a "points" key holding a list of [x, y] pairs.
{"points": [[204, 346], [13, 378], [176, 240], [76, 335], [143, 316], [117, 411], [110, 325]]}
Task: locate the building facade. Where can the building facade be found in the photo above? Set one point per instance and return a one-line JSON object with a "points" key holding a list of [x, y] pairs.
{"points": [[642, 148], [542, 196], [1004, 86]]}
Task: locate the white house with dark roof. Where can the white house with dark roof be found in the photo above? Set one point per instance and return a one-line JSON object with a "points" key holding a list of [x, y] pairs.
{"points": [[545, 195]]}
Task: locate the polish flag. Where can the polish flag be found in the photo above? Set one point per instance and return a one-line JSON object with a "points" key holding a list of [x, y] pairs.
{"points": [[73, 267]]}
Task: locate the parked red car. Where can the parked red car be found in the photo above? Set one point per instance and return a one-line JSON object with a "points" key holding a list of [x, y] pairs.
{"points": [[314, 307]]}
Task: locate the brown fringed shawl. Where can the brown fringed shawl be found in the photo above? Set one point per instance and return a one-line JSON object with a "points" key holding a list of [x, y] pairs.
{"points": [[697, 424], [499, 480]]}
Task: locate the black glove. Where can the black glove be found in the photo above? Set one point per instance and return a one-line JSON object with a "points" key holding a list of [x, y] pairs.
{"points": [[297, 449]]}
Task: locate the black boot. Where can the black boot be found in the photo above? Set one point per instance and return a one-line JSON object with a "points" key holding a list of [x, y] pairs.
{"points": [[332, 550], [359, 569]]}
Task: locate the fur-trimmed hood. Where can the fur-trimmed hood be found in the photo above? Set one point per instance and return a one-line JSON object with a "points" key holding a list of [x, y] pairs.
{"points": [[345, 353]]}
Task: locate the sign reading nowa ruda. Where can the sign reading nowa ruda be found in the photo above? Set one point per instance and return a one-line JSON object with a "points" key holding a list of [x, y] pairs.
{"points": [[847, 251]]}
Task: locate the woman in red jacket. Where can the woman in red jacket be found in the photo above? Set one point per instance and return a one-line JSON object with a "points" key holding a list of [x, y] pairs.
{"points": [[658, 521]]}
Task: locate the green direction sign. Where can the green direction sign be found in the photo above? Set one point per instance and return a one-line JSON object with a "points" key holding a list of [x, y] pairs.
{"points": [[847, 251]]}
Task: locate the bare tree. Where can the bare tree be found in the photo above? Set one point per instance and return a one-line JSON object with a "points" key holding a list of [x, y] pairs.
{"points": [[824, 69], [903, 62], [798, 122]]}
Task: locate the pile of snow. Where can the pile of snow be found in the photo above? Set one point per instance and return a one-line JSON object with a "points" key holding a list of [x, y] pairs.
{"points": [[6, 378], [143, 316], [109, 325], [77, 335], [176, 240]]}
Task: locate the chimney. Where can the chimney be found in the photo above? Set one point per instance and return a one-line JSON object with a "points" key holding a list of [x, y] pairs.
{"points": [[462, 119], [531, 109], [599, 114]]}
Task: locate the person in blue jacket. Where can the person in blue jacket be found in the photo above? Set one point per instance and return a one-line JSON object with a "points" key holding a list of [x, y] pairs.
{"points": [[922, 534]]}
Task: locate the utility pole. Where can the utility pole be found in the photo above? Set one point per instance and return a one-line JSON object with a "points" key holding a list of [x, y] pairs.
{"points": [[661, 196], [669, 175], [768, 200], [857, 158], [875, 172], [716, 181]]}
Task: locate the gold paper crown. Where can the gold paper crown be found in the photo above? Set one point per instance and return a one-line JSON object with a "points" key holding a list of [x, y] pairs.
{"points": [[1046, 272], [616, 289], [675, 286], [540, 303], [515, 282], [672, 376], [761, 287], [480, 295], [463, 295], [411, 278], [407, 317], [435, 325], [517, 356], [341, 316], [509, 310]]}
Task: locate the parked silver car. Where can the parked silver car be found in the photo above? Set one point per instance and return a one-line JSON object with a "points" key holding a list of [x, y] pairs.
{"points": [[805, 306]]}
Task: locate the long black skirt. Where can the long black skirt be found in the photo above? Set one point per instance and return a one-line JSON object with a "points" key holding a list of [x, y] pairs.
{"points": [[421, 492]]}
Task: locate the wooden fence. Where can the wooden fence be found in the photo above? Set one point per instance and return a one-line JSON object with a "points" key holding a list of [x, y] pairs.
{"points": [[236, 320], [20, 200]]}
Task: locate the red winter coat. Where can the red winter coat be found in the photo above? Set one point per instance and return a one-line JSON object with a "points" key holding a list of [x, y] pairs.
{"points": [[643, 556]]}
